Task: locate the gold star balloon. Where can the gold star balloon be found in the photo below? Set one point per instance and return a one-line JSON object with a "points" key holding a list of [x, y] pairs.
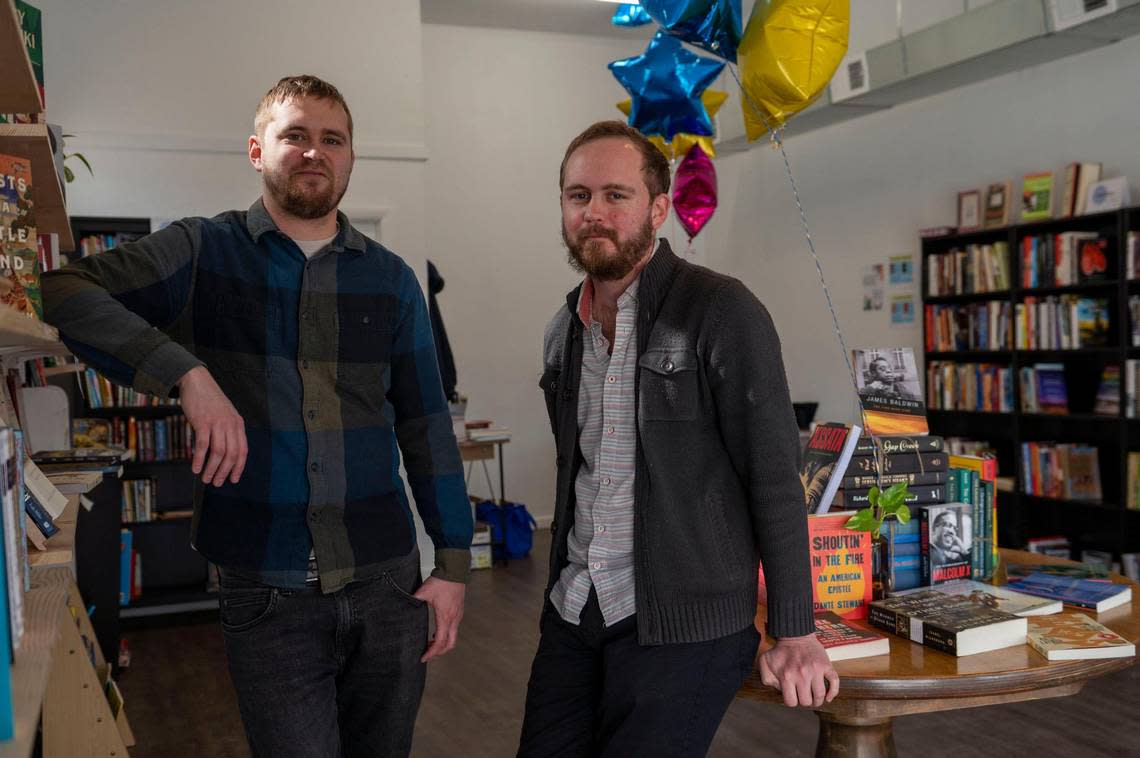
{"points": [[682, 143]]}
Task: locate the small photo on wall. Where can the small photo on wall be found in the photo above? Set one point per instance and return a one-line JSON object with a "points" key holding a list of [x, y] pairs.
{"points": [[902, 309], [902, 269]]}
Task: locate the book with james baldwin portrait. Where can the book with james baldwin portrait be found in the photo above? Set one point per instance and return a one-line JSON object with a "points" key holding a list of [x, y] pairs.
{"points": [[890, 391]]}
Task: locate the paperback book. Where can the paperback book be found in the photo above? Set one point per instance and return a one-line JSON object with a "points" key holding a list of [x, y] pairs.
{"points": [[1075, 636], [1037, 196], [946, 541], [19, 250], [844, 640], [998, 598], [1083, 593], [840, 566], [890, 392], [825, 459], [952, 624]]}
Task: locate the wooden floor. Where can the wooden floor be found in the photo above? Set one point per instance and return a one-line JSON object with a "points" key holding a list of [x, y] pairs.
{"points": [[181, 703]]}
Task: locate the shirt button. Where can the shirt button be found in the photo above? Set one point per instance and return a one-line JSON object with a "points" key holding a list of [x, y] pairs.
{"points": [[312, 415], [610, 430], [313, 467], [668, 366], [611, 379], [596, 565], [606, 481], [601, 528]]}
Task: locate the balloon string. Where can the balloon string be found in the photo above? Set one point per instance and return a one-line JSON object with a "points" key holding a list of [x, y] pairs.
{"points": [[778, 140]]}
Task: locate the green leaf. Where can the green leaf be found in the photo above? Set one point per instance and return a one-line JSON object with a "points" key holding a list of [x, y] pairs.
{"points": [[68, 175], [903, 514], [873, 496], [83, 158], [863, 521]]}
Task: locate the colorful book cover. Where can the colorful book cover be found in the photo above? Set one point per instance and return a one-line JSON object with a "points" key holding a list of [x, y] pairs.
{"points": [[840, 566], [1037, 196], [890, 392], [19, 253], [90, 432], [946, 539], [1083, 593], [997, 204], [1052, 392], [1075, 636], [1092, 321], [1000, 598], [31, 23], [843, 640], [825, 459]]}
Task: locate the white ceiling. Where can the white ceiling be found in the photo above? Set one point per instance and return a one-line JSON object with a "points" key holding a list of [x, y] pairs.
{"points": [[588, 17]]}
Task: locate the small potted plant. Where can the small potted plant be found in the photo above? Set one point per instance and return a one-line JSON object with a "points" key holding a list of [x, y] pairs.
{"points": [[884, 505]]}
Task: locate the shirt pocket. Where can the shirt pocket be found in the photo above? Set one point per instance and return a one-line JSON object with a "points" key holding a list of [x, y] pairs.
{"points": [[364, 337], [668, 385]]}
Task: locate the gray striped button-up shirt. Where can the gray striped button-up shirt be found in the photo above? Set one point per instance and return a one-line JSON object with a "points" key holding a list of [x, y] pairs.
{"points": [[600, 546]]}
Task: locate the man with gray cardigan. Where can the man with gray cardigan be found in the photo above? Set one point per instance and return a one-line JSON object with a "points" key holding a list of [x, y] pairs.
{"points": [[677, 456]]}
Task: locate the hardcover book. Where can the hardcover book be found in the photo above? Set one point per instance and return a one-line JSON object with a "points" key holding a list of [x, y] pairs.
{"points": [[894, 444], [1037, 196], [1083, 593], [889, 391], [903, 463], [997, 204], [840, 566], [19, 250], [824, 461], [946, 540], [1075, 636], [999, 598], [843, 640], [954, 625]]}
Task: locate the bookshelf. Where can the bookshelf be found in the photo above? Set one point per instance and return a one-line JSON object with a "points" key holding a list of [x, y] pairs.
{"points": [[1106, 524], [174, 575]]}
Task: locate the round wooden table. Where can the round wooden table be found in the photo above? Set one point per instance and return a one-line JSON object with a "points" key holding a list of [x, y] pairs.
{"points": [[915, 679]]}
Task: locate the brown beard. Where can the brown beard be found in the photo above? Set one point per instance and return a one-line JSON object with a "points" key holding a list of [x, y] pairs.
{"points": [[588, 258], [296, 202]]}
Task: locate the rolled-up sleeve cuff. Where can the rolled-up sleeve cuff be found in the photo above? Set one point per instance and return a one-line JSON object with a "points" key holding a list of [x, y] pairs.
{"points": [[161, 370], [452, 565]]}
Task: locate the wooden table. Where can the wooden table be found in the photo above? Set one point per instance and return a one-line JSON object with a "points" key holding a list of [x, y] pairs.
{"points": [[915, 679]]}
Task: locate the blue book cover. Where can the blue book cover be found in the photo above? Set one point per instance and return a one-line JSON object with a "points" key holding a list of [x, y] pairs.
{"points": [[1084, 593], [125, 546]]}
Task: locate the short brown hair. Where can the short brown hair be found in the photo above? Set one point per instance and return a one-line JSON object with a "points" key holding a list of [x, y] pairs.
{"points": [[293, 88], [654, 166]]}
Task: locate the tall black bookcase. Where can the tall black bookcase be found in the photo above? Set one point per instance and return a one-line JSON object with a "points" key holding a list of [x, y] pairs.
{"points": [[174, 575], [1105, 525]]}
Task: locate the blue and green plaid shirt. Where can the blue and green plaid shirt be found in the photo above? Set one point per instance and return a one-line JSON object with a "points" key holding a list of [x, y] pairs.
{"points": [[329, 361]]}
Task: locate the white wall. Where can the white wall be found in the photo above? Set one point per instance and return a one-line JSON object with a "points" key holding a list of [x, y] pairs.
{"points": [[160, 95], [501, 108]]}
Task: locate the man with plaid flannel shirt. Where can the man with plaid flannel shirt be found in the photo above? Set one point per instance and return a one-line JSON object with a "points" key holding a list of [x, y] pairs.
{"points": [[303, 355]]}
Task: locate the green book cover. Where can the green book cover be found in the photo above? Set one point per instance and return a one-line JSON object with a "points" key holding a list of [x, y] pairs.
{"points": [[1037, 197]]}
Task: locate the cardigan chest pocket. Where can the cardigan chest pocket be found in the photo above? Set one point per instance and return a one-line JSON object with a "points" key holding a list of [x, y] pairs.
{"points": [[551, 386], [668, 385]]}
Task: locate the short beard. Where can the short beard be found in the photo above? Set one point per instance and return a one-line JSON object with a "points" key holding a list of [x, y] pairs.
{"points": [[588, 258], [296, 202]]}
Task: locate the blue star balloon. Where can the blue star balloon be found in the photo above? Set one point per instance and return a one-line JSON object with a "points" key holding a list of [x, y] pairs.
{"points": [[710, 24], [665, 83], [630, 14]]}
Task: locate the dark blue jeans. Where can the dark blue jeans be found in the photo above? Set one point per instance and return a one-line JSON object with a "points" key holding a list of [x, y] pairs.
{"points": [[325, 676], [594, 691]]}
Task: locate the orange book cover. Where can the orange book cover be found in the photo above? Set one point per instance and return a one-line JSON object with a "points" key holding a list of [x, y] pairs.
{"points": [[840, 566]]}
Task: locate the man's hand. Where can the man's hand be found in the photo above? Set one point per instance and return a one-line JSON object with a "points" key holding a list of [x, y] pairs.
{"points": [[218, 429], [799, 668], [446, 599]]}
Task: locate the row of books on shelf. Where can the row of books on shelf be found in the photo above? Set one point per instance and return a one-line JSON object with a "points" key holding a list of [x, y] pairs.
{"points": [[163, 439], [983, 387], [977, 269], [1065, 259], [971, 326], [1067, 471], [101, 393], [131, 570], [139, 500], [1065, 322], [1095, 564]]}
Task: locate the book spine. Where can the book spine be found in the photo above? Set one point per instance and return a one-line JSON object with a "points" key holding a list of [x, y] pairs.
{"points": [[923, 517], [39, 516], [940, 639], [920, 496], [901, 444], [891, 621], [905, 463], [886, 480]]}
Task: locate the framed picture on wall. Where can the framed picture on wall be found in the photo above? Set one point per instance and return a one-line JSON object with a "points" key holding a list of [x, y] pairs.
{"points": [[969, 210]]}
